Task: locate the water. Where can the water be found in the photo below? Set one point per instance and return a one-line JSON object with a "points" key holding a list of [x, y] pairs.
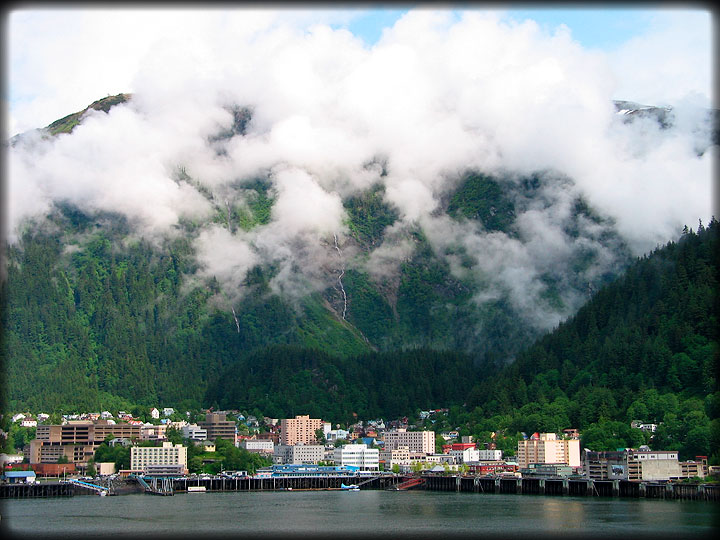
{"points": [[337, 514]]}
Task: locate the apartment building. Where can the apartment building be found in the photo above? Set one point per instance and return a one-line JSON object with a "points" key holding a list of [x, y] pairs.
{"points": [[258, 446], [153, 458], [218, 426], [300, 429], [77, 440], [358, 455], [547, 448], [416, 441], [399, 456]]}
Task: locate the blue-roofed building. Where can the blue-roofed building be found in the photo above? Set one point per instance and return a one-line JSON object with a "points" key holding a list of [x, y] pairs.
{"points": [[19, 477], [307, 470]]}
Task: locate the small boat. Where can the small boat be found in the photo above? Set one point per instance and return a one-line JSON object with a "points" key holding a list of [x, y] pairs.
{"points": [[349, 488], [196, 489]]}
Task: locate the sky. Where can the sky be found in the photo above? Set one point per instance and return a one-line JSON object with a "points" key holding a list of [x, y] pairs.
{"points": [[61, 60], [345, 99]]}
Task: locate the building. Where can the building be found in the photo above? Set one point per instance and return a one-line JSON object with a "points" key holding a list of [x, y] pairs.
{"points": [[19, 477], [547, 448], [194, 432], [150, 432], [547, 470], [490, 455], [630, 464], [155, 458], [466, 455], [77, 440], [492, 468], [416, 441], [691, 469], [398, 456], [357, 455], [300, 429], [258, 446], [217, 426], [298, 454]]}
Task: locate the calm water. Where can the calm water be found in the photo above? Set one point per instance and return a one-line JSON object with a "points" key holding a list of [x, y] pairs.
{"points": [[365, 512]]}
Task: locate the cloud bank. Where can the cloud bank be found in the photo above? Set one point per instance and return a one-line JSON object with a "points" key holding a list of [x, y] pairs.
{"points": [[435, 97]]}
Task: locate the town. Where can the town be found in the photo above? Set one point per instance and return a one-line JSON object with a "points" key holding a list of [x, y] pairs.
{"points": [[104, 445]]}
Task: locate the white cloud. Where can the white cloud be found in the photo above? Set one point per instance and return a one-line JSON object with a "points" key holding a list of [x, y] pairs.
{"points": [[437, 95]]}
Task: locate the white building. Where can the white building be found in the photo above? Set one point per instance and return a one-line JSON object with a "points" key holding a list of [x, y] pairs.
{"points": [[194, 432], [167, 411], [258, 446], [154, 413], [335, 434], [463, 456], [141, 457], [358, 455]]}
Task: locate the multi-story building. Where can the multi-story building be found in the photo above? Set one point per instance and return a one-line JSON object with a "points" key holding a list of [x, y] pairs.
{"points": [[217, 426], [300, 429], [358, 455], [398, 456], [258, 446], [298, 454], [194, 432], [150, 432], [416, 441], [547, 448], [698, 467], [463, 456], [630, 464], [153, 458], [77, 440], [490, 455]]}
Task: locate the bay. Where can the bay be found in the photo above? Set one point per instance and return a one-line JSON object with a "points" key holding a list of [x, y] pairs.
{"points": [[338, 514]]}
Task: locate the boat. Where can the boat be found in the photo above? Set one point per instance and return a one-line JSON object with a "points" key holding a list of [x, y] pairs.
{"points": [[196, 489], [349, 488]]}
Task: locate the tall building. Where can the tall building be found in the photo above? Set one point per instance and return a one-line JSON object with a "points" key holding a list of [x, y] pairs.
{"points": [[217, 426], [547, 448], [300, 429], [416, 441]]}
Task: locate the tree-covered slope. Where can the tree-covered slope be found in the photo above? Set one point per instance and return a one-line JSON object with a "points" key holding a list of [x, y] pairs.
{"points": [[644, 348]]}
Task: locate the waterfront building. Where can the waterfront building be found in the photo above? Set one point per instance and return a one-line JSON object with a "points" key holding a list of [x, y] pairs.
{"points": [[697, 467], [398, 456], [547, 448], [300, 429], [416, 441], [547, 470], [145, 457], [77, 440], [288, 470], [298, 454], [490, 455], [631, 464], [217, 426], [358, 455], [463, 456]]}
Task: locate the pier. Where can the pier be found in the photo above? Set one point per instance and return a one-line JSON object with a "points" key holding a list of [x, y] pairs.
{"points": [[572, 487]]}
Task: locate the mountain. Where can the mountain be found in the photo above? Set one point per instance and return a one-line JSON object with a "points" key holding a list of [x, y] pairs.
{"points": [[103, 313]]}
